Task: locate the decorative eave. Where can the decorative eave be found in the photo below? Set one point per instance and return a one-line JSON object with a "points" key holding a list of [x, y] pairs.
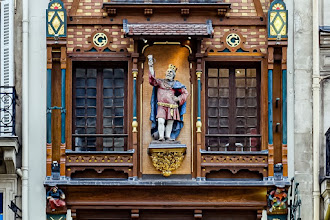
{"points": [[168, 29], [112, 7]]}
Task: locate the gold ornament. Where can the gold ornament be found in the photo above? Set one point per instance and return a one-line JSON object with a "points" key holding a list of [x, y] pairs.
{"points": [[167, 160], [172, 67]]}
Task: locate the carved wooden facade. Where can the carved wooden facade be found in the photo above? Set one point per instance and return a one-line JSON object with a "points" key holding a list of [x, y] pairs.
{"points": [[99, 106]]}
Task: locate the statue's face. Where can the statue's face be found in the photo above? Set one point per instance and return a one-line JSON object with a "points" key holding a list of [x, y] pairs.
{"points": [[169, 75]]}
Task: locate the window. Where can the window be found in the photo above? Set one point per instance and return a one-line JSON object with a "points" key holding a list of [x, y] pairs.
{"points": [[1, 206], [99, 106], [232, 103]]}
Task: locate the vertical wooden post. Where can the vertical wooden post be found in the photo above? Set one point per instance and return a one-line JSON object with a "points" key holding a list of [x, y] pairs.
{"points": [[134, 121], [284, 113], [49, 112], [270, 112], [199, 119], [63, 111]]}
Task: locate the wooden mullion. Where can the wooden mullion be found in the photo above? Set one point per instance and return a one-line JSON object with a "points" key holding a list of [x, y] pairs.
{"points": [[99, 108], [232, 103]]}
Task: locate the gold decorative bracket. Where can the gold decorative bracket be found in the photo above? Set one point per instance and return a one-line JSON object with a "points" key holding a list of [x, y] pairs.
{"points": [[167, 157]]}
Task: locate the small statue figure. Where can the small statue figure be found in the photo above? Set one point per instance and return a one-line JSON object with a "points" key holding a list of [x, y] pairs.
{"points": [[168, 104], [55, 198], [277, 199]]}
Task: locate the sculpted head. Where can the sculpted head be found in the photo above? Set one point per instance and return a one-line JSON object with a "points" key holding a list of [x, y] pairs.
{"points": [[170, 72]]}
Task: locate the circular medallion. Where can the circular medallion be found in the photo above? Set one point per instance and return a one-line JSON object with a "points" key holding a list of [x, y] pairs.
{"points": [[233, 40], [100, 39]]}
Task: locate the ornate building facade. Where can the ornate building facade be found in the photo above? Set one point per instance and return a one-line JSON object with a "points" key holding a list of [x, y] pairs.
{"points": [[97, 73], [229, 159]]}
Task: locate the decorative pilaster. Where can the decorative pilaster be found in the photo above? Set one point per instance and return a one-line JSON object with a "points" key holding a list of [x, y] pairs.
{"points": [[135, 123], [284, 113], [199, 119], [49, 112], [270, 112], [199, 122]]}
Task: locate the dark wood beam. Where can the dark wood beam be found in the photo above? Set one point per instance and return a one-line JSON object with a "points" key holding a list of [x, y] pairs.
{"points": [[90, 20], [74, 7], [258, 7]]}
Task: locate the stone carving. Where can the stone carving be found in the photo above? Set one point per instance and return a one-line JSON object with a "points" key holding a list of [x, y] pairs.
{"points": [[55, 198], [168, 104]]}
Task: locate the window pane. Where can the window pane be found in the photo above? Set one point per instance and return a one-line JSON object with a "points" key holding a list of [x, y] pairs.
{"points": [[224, 72], [224, 82], [223, 112], [212, 112], [213, 82], [91, 73], [80, 73], [212, 72], [91, 82], [240, 82], [213, 102], [251, 82], [224, 92], [213, 92], [251, 72], [240, 73]]}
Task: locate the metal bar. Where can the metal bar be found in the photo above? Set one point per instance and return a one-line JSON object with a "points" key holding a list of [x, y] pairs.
{"points": [[99, 135], [232, 135], [49, 104], [284, 106], [63, 111], [270, 106]]}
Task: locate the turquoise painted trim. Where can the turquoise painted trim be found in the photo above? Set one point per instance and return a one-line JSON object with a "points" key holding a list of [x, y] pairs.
{"points": [[270, 106], [49, 104], [284, 105], [199, 101], [134, 99], [63, 110]]}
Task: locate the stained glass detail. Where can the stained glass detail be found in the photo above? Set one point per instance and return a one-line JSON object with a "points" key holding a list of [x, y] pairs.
{"points": [[278, 6], [278, 19], [56, 6], [56, 19]]}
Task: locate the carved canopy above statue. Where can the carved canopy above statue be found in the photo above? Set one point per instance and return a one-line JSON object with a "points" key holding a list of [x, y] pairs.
{"points": [[169, 29]]}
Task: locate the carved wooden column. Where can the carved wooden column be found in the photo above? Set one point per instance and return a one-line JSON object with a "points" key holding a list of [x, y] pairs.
{"points": [[284, 113], [49, 112], [63, 111], [270, 112], [199, 119], [135, 72]]}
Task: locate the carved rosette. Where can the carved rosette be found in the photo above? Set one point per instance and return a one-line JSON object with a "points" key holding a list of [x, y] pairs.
{"points": [[167, 160]]}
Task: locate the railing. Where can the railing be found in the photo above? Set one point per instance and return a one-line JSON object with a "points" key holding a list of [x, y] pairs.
{"points": [[7, 110], [233, 142], [327, 169], [99, 142]]}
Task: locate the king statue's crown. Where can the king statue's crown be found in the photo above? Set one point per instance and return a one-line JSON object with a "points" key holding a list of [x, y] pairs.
{"points": [[172, 67]]}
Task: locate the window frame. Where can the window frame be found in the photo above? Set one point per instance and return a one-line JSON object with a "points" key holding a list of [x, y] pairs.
{"points": [[232, 65], [100, 66]]}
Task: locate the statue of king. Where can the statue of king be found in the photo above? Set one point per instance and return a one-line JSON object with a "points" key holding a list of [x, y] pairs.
{"points": [[168, 104]]}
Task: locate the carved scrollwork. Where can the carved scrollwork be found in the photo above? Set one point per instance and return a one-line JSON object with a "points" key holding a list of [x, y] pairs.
{"points": [[166, 162], [167, 158]]}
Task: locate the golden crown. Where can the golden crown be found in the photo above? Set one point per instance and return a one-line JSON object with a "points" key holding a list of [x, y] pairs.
{"points": [[172, 67]]}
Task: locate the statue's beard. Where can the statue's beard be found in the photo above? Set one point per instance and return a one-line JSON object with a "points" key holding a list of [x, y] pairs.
{"points": [[170, 78]]}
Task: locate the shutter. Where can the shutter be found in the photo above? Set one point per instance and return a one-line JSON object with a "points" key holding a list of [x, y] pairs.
{"points": [[7, 64]]}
